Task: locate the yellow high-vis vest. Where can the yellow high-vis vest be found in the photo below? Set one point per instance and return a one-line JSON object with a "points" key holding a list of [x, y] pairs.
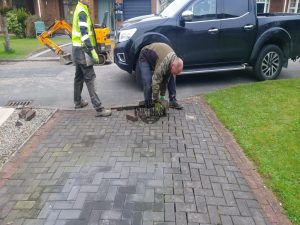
{"points": [[77, 38]]}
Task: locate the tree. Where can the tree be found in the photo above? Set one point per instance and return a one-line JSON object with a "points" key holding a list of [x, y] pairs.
{"points": [[3, 12]]}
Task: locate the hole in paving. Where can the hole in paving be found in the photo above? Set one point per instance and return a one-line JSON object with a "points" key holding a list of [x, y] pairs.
{"points": [[18, 103]]}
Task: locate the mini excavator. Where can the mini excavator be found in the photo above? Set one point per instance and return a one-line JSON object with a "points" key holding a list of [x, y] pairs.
{"points": [[102, 34]]}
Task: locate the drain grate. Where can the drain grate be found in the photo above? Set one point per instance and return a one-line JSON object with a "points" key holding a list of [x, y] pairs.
{"points": [[18, 103]]}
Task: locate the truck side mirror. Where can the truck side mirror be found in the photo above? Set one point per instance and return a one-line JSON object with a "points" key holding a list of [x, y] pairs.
{"points": [[187, 15]]}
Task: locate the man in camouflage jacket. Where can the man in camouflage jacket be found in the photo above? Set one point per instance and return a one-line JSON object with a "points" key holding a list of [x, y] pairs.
{"points": [[160, 58]]}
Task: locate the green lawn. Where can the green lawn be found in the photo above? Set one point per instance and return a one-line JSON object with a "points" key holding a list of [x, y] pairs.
{"points": [[23, 47], [265, 120]]}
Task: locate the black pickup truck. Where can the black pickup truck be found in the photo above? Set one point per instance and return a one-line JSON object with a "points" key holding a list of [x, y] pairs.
{"points": [[215, 35]]}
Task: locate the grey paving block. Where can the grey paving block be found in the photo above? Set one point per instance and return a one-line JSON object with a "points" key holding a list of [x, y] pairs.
{"points": [[80, 200], [186, 207], [181, 218], [226, 220], [63, 205], [198, 218], [170, 212], [174, 198], [214, 214], [69, 214], [242, 220], [111, 215], [153, 216]]}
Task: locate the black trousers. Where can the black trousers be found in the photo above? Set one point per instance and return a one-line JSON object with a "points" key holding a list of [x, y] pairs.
{"points": [[86, 74]]}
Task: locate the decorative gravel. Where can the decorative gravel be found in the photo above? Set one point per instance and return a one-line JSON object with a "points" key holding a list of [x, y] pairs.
{"points": [[12, 137]]}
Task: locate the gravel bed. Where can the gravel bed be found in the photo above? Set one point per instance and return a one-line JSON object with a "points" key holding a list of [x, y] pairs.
{"points": [[12, 137]]}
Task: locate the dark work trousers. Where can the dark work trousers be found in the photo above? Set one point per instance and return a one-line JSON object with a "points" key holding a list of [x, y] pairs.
{"points": [[146, 75], [86, 74]]}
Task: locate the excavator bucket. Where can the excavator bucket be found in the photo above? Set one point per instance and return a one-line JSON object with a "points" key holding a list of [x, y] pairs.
{"points": [[65, 59]]}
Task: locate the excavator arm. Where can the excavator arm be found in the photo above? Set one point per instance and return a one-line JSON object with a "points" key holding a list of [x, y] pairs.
{"points": [[44, 40]]}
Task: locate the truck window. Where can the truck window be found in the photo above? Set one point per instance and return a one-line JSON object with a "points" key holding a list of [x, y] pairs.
{"points": [[234, 8], [204, 10]]}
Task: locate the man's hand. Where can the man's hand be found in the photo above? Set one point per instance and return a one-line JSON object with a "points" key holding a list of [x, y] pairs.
{"points": [[95, 56], [159, 108]]}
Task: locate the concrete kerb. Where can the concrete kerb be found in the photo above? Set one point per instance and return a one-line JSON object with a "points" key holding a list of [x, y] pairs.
{"points": [[36, 57], [44, 52]]}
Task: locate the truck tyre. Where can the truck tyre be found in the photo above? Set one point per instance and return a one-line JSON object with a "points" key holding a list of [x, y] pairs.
{"points": [[138, 77], [269, 63]]}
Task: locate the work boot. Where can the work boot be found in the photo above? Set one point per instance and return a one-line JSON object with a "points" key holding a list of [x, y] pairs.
{"points": [[103, 113], [175, 105], [82, 104]]}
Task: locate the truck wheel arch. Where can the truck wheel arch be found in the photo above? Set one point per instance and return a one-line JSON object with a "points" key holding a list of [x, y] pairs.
{"points": [[276, 36]]}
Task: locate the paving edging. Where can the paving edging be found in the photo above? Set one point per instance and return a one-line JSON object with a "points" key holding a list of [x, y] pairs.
{"points": [[270, 205]]}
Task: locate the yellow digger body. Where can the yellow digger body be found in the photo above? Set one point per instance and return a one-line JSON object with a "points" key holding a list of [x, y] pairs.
{"points": [[103, 41]]}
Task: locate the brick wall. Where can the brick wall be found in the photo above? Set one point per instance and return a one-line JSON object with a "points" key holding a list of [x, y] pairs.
{"points": [[277, 6], [50, 10]]}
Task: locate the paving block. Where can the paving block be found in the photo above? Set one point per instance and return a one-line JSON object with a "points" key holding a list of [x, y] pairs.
{"points": [[30, 115], [132, 117]]}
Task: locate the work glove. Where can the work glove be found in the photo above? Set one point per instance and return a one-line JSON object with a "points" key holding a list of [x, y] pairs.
{"points": [[95, 56], [162, 97], [159, 109]]}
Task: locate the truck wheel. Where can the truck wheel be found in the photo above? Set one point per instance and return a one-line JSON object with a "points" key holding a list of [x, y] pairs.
{"points": [[138, 77], [269, 63]]}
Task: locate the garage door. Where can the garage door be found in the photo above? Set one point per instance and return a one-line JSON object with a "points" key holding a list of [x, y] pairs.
{"points": [[134, 8]]}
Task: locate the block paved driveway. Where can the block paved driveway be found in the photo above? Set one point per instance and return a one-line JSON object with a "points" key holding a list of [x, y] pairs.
{"points": [[109, 171]]}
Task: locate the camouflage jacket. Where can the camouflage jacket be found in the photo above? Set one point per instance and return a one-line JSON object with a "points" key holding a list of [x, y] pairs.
{"points": [[159, 56]]}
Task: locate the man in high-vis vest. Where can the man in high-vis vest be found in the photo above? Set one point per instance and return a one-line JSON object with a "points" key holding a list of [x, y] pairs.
{"points": [[84, 43]]}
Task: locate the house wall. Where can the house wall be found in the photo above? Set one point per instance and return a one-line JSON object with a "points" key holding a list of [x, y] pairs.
{"points": [[53, 9], [50, 10], [277, 6]]}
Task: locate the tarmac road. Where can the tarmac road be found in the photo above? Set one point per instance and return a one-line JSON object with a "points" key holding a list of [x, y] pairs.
{"points": [[50, 84]]}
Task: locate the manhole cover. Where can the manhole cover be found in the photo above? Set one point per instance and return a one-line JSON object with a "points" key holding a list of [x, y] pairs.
{"points": [[18, 103], [148, 115]]}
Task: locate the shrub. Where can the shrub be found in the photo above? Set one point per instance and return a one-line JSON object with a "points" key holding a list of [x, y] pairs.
{"points": [[16, 21], [29, 24], [13, 25]]}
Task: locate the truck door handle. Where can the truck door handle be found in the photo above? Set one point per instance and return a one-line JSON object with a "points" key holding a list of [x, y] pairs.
{"points": [[249, 27], [213, 30]]}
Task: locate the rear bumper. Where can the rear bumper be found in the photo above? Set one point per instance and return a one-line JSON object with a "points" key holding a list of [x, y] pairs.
{"points": [[121, 56]]}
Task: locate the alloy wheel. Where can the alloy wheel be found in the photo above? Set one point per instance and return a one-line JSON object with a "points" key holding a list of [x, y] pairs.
{"points": [[270, 64]]}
